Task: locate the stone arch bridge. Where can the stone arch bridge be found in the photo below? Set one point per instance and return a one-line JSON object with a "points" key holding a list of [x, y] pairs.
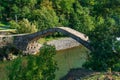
{"points": [[28, 42]]}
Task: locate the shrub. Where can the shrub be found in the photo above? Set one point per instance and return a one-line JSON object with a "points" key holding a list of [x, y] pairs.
{"points": [[37, 67], [23, 26]]}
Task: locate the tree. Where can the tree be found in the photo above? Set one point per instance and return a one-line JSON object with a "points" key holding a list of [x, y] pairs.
{"points": [[105, 52], [45, 18], [80, 19], [63, 6], [23, 26], [26, 27], [37, 67]]}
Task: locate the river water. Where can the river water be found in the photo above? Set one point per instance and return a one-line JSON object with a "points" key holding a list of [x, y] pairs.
{"points": [[70, 58]]}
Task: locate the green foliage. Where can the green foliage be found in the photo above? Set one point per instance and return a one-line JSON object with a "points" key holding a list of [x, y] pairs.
{"points": [[14, 25], [63, 20], [37, 67], [100, 20], [63, 6], [24, 26], [45, 18], [16, 70], [80, 20], [106, 53]]}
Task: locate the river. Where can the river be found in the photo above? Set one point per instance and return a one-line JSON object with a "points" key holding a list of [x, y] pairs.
{"points": [[70, 58]]}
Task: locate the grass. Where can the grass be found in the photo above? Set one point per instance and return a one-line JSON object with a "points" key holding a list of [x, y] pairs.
{"points": [[2, 28], [3, 70], [2, 24], [44, 40], [6, 28]]}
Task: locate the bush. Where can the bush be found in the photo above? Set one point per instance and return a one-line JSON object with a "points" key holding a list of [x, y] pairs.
{"points": [[45, 18], [106, 49], [23, 26], [37, 67]]}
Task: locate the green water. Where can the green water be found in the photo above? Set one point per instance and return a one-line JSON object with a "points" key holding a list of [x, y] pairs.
{"points": [[70, 58]]}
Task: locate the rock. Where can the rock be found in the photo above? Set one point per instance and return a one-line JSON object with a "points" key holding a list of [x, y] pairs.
{"points": [[11, 56], [4, 59], [64, 43], [60, 44]]}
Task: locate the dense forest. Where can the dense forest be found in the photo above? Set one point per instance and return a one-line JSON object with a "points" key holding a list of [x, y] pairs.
{"points": [[82, 15], [99, 19]]}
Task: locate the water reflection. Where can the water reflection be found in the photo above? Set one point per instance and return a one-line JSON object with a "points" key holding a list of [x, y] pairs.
{"points": [[70, 58]]}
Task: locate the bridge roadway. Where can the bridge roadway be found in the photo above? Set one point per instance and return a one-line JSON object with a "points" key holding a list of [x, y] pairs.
{"points": [[28, 42]]}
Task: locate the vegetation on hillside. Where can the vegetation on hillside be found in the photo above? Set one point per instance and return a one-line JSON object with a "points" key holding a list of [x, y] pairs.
{"points": [[100, 20]]}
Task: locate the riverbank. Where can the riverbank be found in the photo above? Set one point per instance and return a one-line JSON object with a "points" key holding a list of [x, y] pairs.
{"points": [[84, 74], [64, 43]]}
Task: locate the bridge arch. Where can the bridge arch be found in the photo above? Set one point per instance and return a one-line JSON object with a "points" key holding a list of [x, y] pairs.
{"points": [[22, 42]]}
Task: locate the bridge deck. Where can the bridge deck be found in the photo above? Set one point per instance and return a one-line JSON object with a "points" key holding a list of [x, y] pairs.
{"points": [[76, 33]]}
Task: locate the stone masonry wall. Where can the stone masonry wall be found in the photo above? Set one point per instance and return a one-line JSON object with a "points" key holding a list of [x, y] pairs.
{"points": [[5, 41]]}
